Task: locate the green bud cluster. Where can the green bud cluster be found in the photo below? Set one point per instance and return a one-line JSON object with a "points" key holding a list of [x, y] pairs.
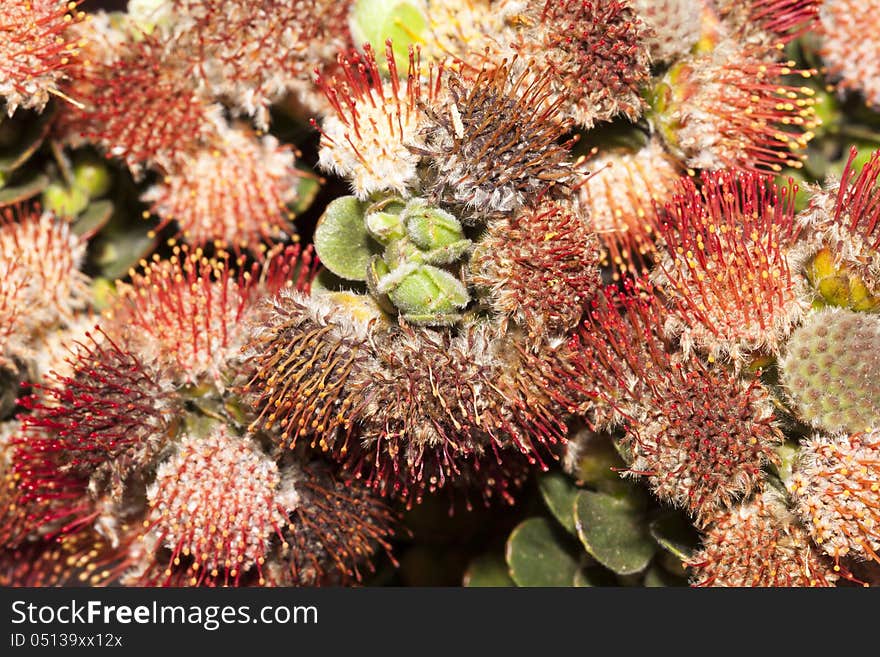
{"points": [[408, 253]]}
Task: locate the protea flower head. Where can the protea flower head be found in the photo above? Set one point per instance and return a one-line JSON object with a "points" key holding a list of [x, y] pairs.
{"points": [[836, 492], [538, 267], [759, 543], [304, 355], [186, 314], [595, 49], [235, 192], [732, 107], [143, 79], [725, 264], [497, 143], [848, 49], [843, 219], [41, 286], [111, 439], [252, 55], [702, 438], [369, 136], [620, 194], [37, 49], [698, 433]]}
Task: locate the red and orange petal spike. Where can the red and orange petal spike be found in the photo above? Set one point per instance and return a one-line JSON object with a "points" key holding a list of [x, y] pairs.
{"points": [[145, 81], [336, 525], [38, 495], [845, 218], [759, 543], [836, 492], [235, 192], [788, 19], [732, 107], [216, 500], [36, 50], [595, 50], [185, 316], [108, 419], [849, 49], [539, 268], [725, 264], [619, 195], [368, 136]]}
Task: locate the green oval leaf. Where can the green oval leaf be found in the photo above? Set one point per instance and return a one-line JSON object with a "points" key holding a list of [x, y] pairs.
{"points": [[93, 219], [559, 493], [342, 241], [23, 191], [537, 555], [614, 531]]}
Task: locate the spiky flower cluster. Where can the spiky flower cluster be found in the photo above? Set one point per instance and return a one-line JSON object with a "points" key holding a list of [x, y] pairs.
{"points": [[731, 107], [835, 488], [41, 286], [760, 544], [236, 413], [699, 434], [37, 48], [547, 248], [726, 265], [496, 144]]}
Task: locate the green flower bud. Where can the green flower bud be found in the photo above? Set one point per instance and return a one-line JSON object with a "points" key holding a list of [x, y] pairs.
{"points": [[429, 295], [431, 228], [64, 201], [384, 221], [92, 177]]}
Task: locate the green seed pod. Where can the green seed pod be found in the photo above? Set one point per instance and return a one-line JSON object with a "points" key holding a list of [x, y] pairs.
{"points": [[831, 370]]}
